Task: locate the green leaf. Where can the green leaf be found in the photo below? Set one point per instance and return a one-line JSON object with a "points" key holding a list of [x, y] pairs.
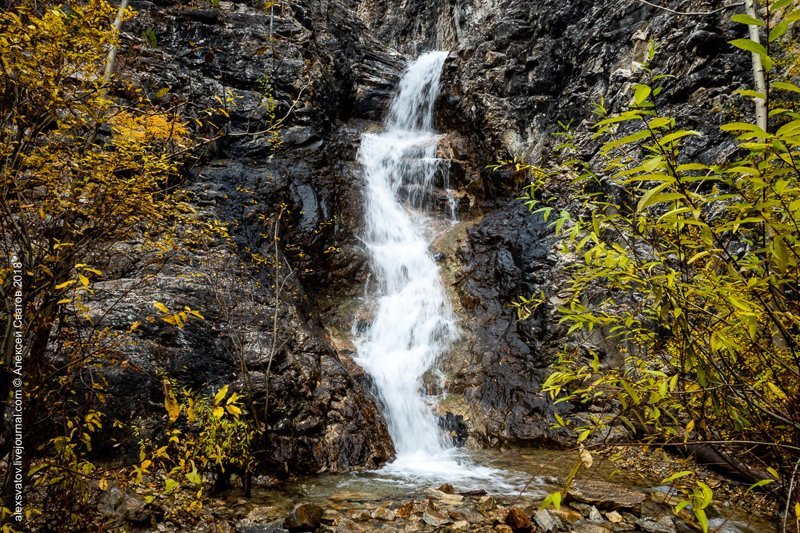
{"points": [[750, 46], [778, 31], [756, 48], [785, 86], [749, 93], [707, 496], [741, 18], [672, 137], [660, 122], [702, 519], [170, 485], [194, 477], [740, 126], [641, 93], [675, 476]]}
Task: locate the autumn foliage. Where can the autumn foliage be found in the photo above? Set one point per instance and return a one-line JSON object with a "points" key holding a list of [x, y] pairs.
{"points": [[692, 270], [81, 171]]}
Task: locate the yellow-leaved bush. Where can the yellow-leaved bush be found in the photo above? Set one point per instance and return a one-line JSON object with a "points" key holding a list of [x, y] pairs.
{"points": [[86, 177], [693, 269]]}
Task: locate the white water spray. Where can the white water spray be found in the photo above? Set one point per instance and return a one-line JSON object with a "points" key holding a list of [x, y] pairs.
{"points": [[414, 324]]}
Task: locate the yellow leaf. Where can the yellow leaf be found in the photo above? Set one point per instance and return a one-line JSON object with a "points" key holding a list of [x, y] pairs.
{"points": [[65, 284], [235, 411], [220, 395], [171, 403], [776, 390], [103, 484], [134, 326], [64, 301], [84, 280], [161, 307], [218, 412]]}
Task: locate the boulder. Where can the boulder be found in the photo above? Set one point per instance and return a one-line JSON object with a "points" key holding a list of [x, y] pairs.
{"points": [[604, 495], [304, 517], [518, 520]]}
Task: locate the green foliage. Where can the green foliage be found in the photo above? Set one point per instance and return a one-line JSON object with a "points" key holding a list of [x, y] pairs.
{"points": [[694, 270], [149, 35]]}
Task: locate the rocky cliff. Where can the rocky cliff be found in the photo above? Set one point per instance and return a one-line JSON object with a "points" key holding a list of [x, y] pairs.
{"points": [[325, 71], [311, 68], [517, 69]]}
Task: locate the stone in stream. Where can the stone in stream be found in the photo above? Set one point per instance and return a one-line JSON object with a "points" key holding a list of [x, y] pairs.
{"points": [[304, 517], [662, 525], [435, 518], [486, 504], [594, 515], [405, 510], [606, 495], [567, 515], [445, 497], [519, 520], [447, 488], [547, 521], [585, 526], [465, 515], [382, 513], [348, 526]]}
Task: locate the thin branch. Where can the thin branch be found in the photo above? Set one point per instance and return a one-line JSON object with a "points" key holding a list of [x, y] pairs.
{"points": [[691, 13], [112, 53]]}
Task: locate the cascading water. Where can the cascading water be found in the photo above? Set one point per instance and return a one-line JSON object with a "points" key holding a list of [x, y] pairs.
{"points": [[414, 323]]}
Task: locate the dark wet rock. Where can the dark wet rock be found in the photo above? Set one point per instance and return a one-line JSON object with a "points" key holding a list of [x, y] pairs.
{"points": [[329, 77], [447, 488], [518, 520], [605, 495], [455, 427], [114, 503], [546, 521], [665, 524], [273, 527], [304, 517], [503, 360], [585, 526]]}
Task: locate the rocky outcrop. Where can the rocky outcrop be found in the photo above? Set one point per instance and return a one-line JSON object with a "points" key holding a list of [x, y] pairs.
{"points": [[311, 69], [516, 69]]}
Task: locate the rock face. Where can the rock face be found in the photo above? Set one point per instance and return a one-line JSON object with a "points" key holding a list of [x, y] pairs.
{"points": [[324, 71], [516, 69], [312, 68]]}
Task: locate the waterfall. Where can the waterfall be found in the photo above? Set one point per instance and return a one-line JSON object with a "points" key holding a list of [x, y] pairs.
{"points": [[414, 323]]}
